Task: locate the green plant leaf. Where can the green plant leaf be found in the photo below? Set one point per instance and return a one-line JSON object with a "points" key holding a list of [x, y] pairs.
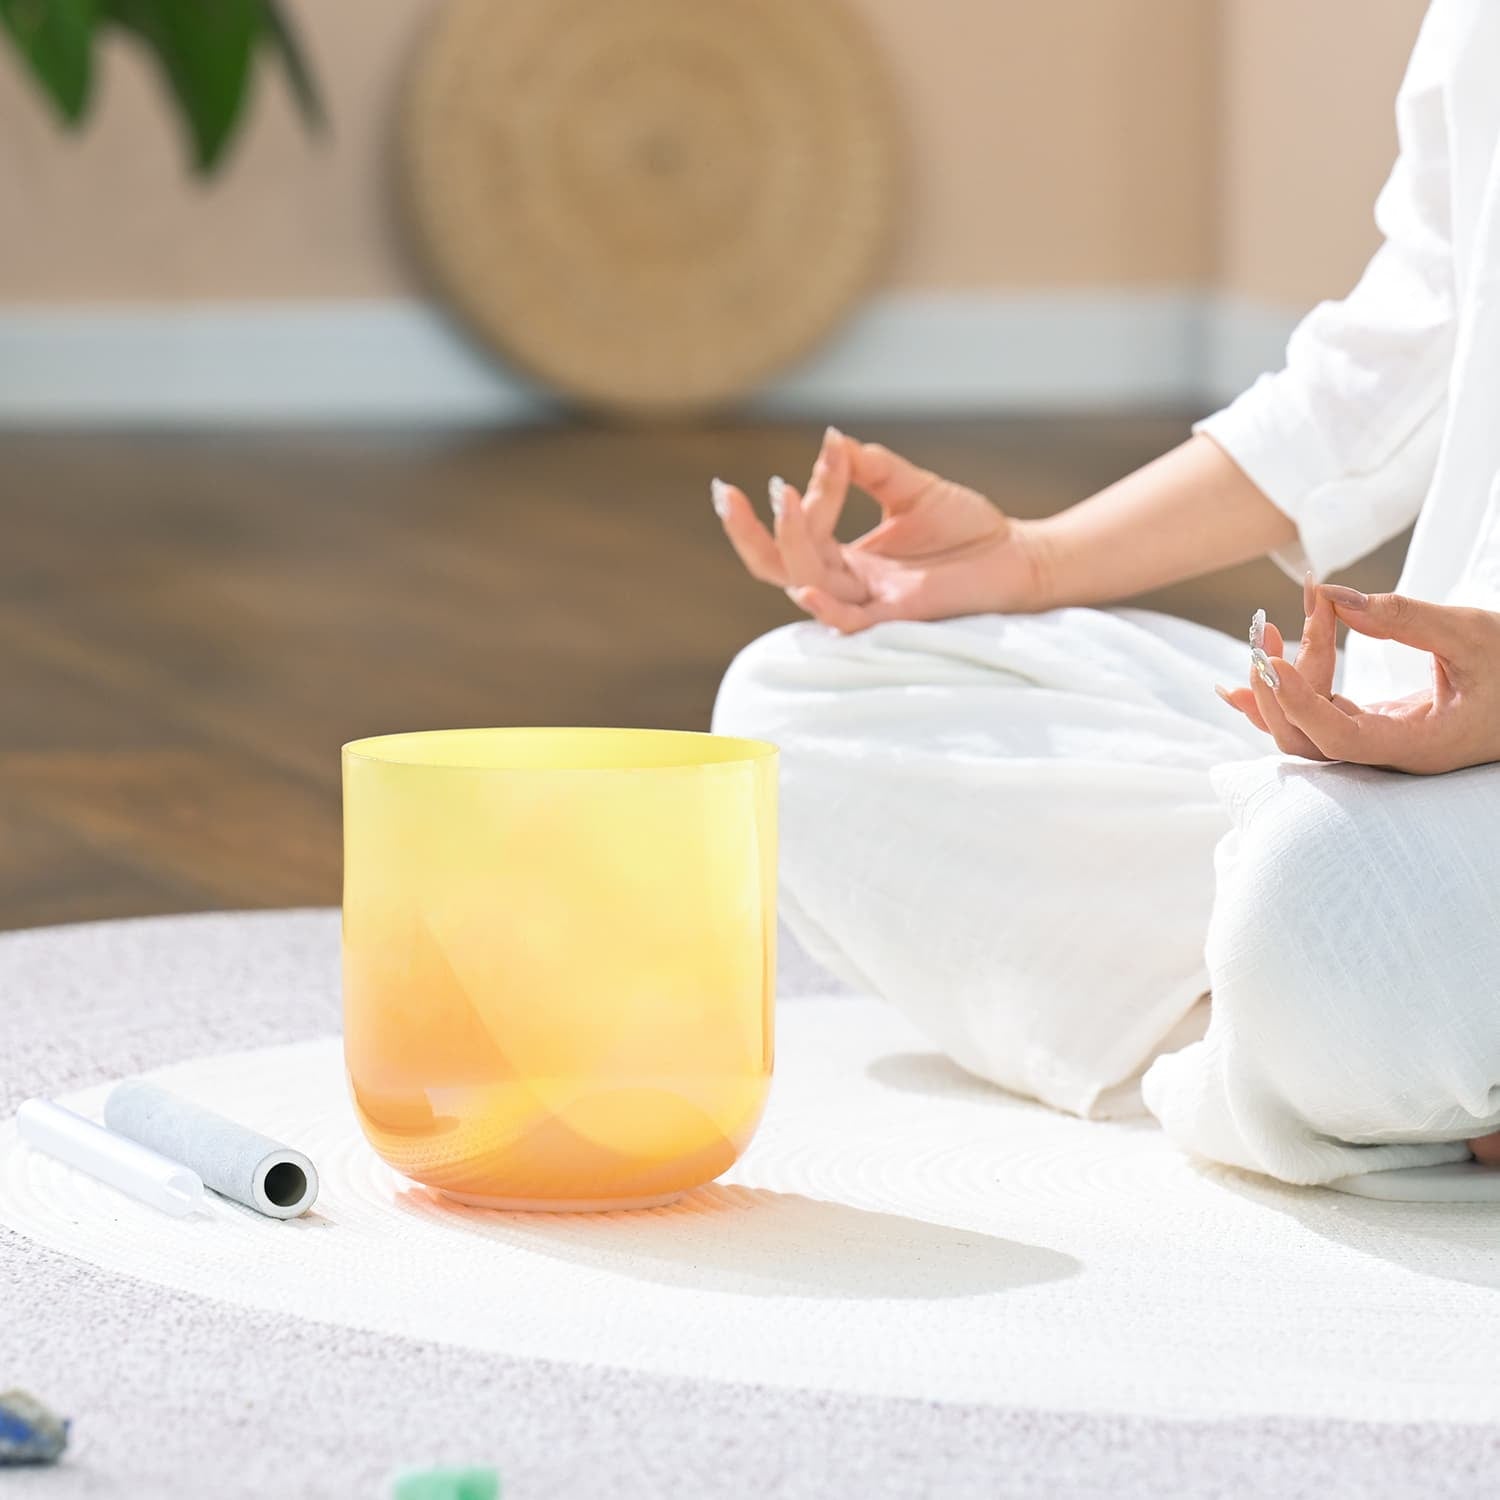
{"points": [[282, 36], [204, 48], [56, 39]]}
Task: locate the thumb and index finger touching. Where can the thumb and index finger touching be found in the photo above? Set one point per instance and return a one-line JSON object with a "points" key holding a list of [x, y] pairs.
{"points": [[1437, 628], [893, 482], [1434, 628]]}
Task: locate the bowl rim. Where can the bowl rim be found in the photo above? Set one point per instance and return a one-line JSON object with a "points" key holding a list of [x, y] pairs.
{"points": [[368, 749]]}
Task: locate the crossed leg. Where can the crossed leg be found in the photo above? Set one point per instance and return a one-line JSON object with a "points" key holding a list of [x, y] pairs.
{"points": [[1005, 826]]}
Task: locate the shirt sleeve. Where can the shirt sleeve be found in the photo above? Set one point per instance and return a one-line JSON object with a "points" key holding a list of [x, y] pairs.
{"points": [[1345, 438]]}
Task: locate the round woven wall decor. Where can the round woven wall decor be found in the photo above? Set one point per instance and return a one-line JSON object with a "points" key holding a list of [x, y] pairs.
{"points": [[649, 204]]}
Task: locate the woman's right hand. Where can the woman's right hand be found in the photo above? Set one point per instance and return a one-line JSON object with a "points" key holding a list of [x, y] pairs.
{"points": [[940, 549]]}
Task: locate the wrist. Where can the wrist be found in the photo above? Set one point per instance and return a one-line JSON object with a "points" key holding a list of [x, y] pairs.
{"points": [[1043, 553]]}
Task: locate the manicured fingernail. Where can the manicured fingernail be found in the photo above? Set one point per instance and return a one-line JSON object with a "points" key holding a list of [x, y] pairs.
{"points": [[1263, 668], [1349, 598], [719, 491], [832, 435], [777, 490], [1257, 630], [1223, 692], [1309, 593]]}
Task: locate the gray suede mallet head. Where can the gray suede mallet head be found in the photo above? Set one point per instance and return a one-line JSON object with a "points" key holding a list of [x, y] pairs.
{"points": [[240, 1163]]}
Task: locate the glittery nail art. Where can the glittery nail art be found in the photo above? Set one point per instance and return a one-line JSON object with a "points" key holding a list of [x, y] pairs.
{"points": [[1263, 668], [1258, 630]]}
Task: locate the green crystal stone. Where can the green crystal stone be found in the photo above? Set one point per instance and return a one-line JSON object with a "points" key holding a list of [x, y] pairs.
{"points": [[447, 1484]]}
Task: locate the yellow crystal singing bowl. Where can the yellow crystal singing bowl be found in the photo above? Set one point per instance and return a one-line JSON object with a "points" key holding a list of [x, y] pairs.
{"points": [[559, 958]]}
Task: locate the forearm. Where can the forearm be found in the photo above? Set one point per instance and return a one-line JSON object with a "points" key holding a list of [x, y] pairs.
{"points": [[1191, 511]]}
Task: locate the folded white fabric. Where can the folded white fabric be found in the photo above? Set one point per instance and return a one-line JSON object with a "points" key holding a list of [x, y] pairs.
{"points": [[1354, 956]]}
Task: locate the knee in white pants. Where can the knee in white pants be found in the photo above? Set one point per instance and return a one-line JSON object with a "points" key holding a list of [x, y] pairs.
{"points": [[1296, 960], [743, 704], [772, 690], [782, 677], [1351, 963]]}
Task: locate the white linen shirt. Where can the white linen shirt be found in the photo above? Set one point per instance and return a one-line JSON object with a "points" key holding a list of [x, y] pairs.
{"points": [[1389, 405]]}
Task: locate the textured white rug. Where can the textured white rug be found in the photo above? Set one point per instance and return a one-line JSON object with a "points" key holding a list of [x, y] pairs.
{"points": [[912, 1283], [896, 1229]]}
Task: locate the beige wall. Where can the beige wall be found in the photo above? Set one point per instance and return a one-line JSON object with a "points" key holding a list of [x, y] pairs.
{"points": [[1067, 143], [1307, 136], [1071, 143]]}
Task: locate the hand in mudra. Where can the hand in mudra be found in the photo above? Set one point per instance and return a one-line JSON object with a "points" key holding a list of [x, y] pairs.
{"points": [[1450, 725], [940, 549]]}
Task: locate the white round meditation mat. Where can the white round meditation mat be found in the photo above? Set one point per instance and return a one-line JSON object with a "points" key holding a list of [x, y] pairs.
{"points": [[897, 1229]]}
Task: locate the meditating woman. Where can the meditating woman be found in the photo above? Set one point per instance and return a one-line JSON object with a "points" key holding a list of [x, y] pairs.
{"points": [[1030, 824]]}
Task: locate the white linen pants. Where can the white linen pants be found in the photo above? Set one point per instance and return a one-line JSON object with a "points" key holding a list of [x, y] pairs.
{"points": [[1044, 839]]}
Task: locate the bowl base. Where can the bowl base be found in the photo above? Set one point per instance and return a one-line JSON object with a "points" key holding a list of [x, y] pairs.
{"points": [[561, 1205]]}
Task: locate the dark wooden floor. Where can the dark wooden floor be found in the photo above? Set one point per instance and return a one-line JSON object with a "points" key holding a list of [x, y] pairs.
{"points": [[190, 626]]}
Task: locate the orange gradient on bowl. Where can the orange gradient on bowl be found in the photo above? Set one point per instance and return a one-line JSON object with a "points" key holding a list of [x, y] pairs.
{"points": [[559, 958]]}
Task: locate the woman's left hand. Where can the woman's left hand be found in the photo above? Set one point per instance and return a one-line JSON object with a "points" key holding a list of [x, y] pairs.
{"points": [[1316, 659], [1453, 724]]}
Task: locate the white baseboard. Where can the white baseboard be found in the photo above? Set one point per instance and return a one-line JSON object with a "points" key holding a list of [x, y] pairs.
{"points": [[961, 352], [1241, 339], [331, 363], [250, 365]]}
